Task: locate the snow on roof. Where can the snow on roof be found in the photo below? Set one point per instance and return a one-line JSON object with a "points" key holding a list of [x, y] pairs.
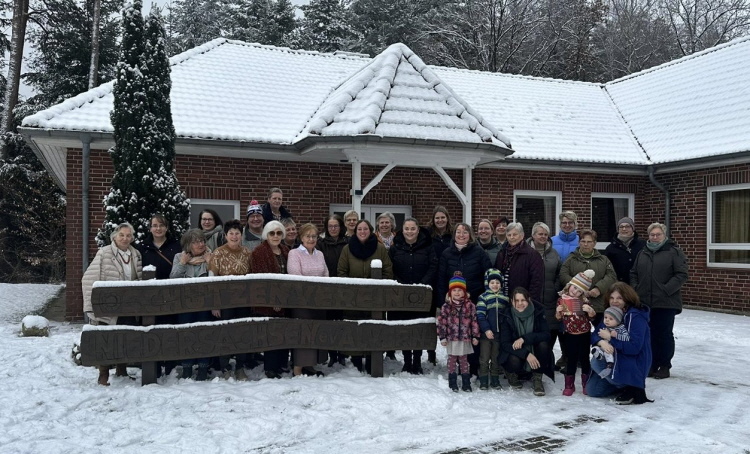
{"points": [[697, 106], [231, 90], [397, 95]]}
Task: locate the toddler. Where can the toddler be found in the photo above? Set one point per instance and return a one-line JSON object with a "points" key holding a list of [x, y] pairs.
{"points": [[458, 330], [613, 321]]}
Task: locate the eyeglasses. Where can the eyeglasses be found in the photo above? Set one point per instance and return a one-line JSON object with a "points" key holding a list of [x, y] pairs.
{"points": [[626, 226], [311, 237], [334, 226], [207, 219], [276, 233]]}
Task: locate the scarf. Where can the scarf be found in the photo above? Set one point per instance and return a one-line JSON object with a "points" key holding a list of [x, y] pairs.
{"points": [[524, 322], [653, 247], [365, 250], [626, 240]]}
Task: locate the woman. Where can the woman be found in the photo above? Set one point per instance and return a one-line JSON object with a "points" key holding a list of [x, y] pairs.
{"points": [[159, 248], [331, 245], [271, 257], [524, 342], [499, 226], [487, 239], [291, 240], [441, 231], [414, 262], [659, 272], [232, 259], [307, 261], [212, 229], [632, 356], [520, 264], [541, 243], [567, 240], [118, 261], [586, 257], [386, 223], [273, 210], [355, 261], [193, 262], [624, 249], [350, 220]]}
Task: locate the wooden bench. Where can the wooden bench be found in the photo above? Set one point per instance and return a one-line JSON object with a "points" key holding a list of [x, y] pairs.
{"points": [[102, 345]]}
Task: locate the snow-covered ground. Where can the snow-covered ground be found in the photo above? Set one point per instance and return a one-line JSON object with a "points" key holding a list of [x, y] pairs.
{"points": [[50, 405]]}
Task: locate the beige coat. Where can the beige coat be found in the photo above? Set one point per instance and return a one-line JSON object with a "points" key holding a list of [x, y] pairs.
{"points": [[107, 266]]}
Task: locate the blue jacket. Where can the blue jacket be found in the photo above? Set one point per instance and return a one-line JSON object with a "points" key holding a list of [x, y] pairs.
{"points": [[489, 307], [565, 243], [632, 357]]}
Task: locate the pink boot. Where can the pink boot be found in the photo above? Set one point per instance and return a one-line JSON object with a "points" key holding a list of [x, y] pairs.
{"points": [[570, 386], [584, 380]]}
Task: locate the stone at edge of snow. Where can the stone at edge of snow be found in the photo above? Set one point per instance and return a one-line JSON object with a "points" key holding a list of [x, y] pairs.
{"points": [[34, 326]]}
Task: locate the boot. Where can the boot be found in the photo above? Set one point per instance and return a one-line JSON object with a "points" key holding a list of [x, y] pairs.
{"points": [[627, 396], [484, 383], [432, 357], [187, 371], [368, 367], [584, 380], [103, 376], [561, 363], [416, 367], [202, 372], [333, 356], [495, 382], [466, 382], [407, 362], [661, 373], [513, 380], [570, 386], [453, 382], [538, 385], [391, 354], [121, 370], [357, 362], [639, 396]]}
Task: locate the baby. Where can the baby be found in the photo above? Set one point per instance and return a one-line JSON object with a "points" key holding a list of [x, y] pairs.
{"points": [[613, 322]]}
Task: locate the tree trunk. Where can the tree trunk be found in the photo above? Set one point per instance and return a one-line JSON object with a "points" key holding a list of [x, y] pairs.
{"points": [[18, 38], [94, 68]]}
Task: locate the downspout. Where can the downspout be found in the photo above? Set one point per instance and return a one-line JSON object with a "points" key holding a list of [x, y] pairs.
{"points": [[86, 142], [667, 198]]}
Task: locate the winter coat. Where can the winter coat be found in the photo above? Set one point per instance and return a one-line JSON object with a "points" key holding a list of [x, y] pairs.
{"points": [[440, 242], [552, 265], [264, 261], [565, 244], [471, 261], [356, 258], [414, 263], [160, 257], [659, 276], [509, 334], [526, 269], [249, 239], [268, 213], [108, 266], [632, 357], [179, 270], [331, 248], [603, 279], [458, 322], [215, 238], [491, 248], [623, 257], [489, 308]]}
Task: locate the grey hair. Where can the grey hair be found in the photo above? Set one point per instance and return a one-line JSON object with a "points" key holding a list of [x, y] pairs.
{"points": [[392, 218], [514, 226], [542, 225], [657, 225], [189, 237], [273, 225], [120, 227], [288, 222], [273, 191]]}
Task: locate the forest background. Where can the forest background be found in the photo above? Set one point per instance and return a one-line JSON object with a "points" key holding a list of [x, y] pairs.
{"points": [[60, 48]]}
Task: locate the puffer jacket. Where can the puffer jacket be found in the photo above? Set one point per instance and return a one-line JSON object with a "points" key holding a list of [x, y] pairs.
{"points": [[632, 357], [509, 334], [331, 249], [659, 276], [458, 322], [603, 279], [623, 257], [414, 263], [552, 265], [471, 261], [108, 266], [490, 306], [565, 244]]}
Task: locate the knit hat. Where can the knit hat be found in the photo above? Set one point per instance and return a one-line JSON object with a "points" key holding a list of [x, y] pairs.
{"points": [[615, 313], [457, 281], [625, 220], [493, 273], [583, 280], [253, 208]]}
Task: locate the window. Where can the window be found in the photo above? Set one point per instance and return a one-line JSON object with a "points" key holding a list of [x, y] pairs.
{"points": [[606, 210], [226, 209], [729, 226], [371, 212], [530, 207]]}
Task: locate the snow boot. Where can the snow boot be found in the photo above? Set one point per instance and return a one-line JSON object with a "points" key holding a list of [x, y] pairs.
{"points": [[538, 385], [432, 357], [453, 382], [513, 380], [661, 373], [639, 396], [466, 382], [561, 363], [103, 376], [584, 381], [407, 362], [121, 370], [626, 397], [495, 382], [484, 383], [570, 386], [357, 362], [202, 372]]}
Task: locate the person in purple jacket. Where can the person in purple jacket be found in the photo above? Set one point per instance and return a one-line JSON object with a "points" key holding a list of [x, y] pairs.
{"points": [[521, 265]]}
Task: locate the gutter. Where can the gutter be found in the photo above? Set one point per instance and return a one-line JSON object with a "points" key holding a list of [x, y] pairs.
{"points": [[667, 198], [85, 167]]}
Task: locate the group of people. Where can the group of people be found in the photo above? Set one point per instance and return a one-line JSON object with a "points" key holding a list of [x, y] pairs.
{"points": [[502, 301]]}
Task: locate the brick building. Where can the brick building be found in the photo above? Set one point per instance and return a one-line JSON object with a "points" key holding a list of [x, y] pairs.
{"points": [[670, 144]]}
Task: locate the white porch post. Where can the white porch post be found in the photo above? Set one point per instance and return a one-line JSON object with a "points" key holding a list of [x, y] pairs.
{"points": [[468, 171], [356, 191]]}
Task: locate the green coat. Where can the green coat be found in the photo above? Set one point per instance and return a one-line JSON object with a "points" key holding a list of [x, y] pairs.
{"points": [[603, 279]]}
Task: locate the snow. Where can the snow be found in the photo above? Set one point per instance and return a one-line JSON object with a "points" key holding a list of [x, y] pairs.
{"points": [[53, 406], [35, 321]]}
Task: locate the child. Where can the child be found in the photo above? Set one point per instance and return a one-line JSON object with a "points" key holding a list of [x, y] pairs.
{"points": [[489, 306], [613, 321], [576, 314], [458, 330]]}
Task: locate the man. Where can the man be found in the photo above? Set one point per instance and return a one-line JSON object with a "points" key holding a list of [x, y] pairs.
{"points": [[251, 236], [274, 210]]}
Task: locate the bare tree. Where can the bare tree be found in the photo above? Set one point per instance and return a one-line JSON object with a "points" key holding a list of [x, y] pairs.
{"points": [[17, 40], [700, 24], [94, 68]]}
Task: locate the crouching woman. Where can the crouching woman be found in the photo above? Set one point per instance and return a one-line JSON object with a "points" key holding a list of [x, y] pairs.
{"points": [[632, 352]]}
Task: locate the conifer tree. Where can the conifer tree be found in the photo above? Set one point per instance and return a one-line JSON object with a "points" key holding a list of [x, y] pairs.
{"points": [[144, 182]]}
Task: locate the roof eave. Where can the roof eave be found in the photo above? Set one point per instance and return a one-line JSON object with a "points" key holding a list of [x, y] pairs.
{"points": [[741, 157]]}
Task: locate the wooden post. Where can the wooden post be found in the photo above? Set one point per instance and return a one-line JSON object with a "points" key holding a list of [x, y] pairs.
{"points": [[148, 368], [376, 358]]}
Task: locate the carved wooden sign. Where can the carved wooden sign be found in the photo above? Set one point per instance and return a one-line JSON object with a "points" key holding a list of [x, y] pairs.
{"points": [[176, 296], [110, 344]]}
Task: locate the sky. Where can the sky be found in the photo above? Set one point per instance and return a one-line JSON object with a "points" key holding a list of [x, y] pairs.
{"points": [[53, 406]]}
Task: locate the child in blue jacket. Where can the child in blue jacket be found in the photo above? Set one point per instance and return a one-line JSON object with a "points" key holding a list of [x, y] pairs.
{"points": [[489, 305]]}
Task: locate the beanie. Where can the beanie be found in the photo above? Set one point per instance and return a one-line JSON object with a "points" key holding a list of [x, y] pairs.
{"points": [[493, 273], [625, 220], [253, 208], [457, 281], [615, 313], [583, 280]]}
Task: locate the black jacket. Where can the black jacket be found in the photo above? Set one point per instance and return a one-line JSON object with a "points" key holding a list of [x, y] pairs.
{"points": [[659, 276], [509, 334], [151, 255], [623, 257], [471, 261], [268, 214], [331, 248], [414, 263]]}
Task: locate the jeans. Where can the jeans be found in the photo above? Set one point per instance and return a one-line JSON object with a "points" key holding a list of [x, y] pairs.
{"points": [[598, 386], [662, 337]]}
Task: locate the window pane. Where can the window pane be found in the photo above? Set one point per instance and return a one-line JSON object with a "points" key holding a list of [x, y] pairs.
{"points": [[605, 212], [730, 220], [727, 256], [532, 209]]}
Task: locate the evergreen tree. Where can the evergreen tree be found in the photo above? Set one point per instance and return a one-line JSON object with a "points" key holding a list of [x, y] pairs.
{"points": [[325, 27], [195, 22], [144, 182], [263, 21]]}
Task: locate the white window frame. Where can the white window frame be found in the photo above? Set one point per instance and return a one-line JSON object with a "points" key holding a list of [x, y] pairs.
{"points": [[710, 245], [558, 205], [212, 203], [602, 243]]}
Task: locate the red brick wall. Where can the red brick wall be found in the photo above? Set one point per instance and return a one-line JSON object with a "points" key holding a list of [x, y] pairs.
{"points": [[310, 188]]}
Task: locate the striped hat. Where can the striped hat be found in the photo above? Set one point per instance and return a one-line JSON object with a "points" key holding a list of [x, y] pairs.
{"points": [[615, 313], [583, 280], [457, 281]]}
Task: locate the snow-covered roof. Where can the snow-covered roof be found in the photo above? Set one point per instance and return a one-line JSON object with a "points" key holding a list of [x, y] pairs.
{"points": [[230, 90]]}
